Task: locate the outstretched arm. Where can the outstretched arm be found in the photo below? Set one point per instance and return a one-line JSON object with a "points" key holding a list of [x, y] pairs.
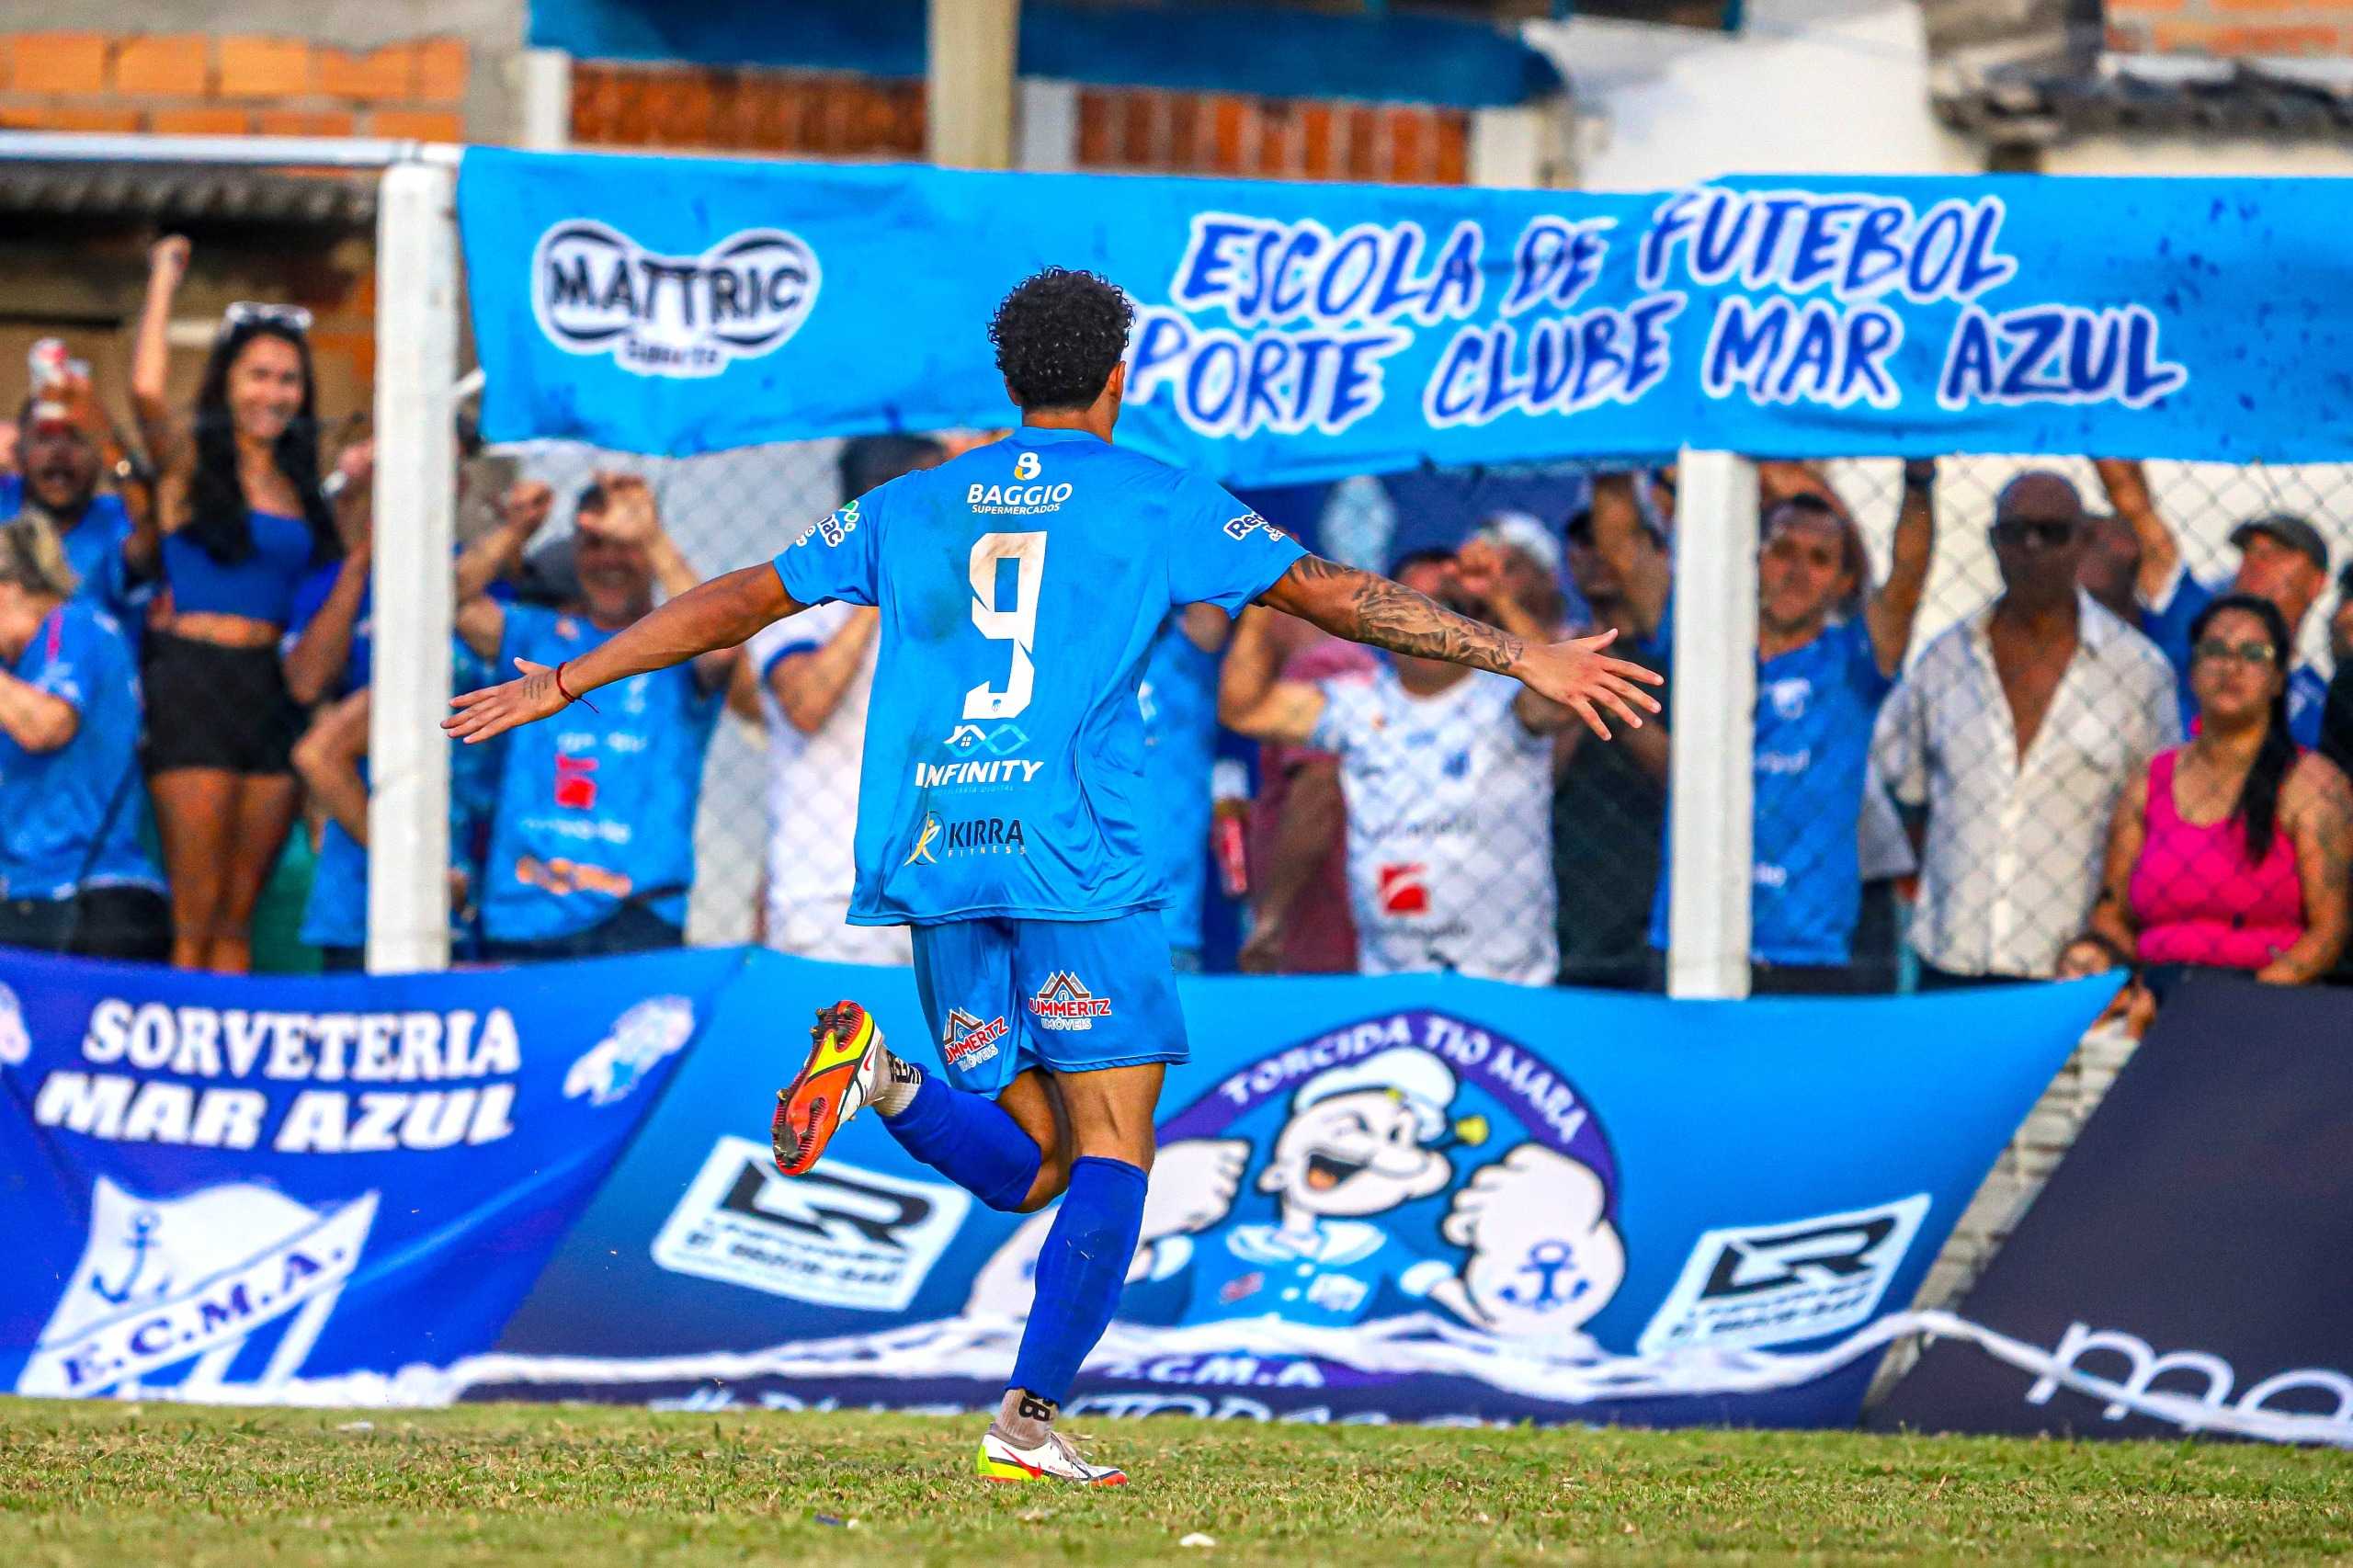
{"points": [[721, 613], [1373, 610]]}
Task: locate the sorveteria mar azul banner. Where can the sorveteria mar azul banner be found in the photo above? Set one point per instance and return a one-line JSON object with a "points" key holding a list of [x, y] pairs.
{"points": [[1408, 1198]]}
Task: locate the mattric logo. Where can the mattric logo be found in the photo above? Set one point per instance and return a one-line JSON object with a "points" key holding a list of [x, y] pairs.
{"points": [[1757, 1285], [596, 290], [838, 1236]]}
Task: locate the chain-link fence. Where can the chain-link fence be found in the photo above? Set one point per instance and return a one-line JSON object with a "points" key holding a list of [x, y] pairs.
{"points": [[1935, 785]]}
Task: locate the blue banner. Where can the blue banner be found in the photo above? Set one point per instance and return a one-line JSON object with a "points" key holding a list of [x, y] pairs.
{"points": [[230, 1189], [1294, 332], [1419, 1198]]}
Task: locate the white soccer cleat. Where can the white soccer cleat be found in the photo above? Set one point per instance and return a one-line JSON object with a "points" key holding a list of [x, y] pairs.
{"points": [[1054, 1460], [846, 1064]]}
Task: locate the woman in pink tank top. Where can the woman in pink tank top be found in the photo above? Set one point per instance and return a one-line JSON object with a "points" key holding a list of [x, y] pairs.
{"points": [[2232, 853]]}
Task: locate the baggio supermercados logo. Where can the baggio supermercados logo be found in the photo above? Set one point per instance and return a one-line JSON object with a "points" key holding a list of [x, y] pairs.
{"points": [[596, 290]]}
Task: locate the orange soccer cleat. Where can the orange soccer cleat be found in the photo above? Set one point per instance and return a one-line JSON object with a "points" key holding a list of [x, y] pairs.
{"points": [[845, 1061]]}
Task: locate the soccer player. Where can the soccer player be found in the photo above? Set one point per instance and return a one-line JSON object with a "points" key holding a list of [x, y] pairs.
{"points": [[1001, 811]]}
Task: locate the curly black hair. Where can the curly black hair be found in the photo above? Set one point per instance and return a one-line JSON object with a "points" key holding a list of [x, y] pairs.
{"points": [[1059, 335]]}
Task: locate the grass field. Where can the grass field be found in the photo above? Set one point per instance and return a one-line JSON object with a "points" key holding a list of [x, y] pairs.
{"points": [[95, 1484]]}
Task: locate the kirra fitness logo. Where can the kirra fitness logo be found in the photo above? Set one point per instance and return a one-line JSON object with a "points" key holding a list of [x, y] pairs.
{"points": [[596, 290]]}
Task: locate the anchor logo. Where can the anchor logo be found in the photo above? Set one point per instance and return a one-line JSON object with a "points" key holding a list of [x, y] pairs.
{"points": [[141, 1241], [1547, 1261]]}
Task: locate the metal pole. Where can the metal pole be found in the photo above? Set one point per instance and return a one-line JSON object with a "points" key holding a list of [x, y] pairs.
{"points": [[543, 99], [1713, 720], [415, 508], [269, 152], [968, 82]]}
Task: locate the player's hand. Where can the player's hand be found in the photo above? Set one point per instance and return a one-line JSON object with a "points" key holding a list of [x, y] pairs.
{"points": [[1584, 679], [494, 710], [1193, 1184]]}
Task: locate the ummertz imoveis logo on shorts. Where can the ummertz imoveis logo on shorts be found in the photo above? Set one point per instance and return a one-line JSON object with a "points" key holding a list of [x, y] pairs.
{"points": [[596, 290]]}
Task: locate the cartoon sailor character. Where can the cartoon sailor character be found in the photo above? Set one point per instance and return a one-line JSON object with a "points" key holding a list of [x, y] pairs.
{"points": [[1365, 1138]]}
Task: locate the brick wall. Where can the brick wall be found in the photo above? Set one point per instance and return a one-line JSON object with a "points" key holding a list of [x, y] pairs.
{"points": [[2227, 30], [232, 83], [1223, 134], [744, 111], [1134, 129]]}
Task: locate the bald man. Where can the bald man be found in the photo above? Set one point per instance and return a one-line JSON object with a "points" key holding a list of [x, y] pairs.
{"points": [[2016, 730]]}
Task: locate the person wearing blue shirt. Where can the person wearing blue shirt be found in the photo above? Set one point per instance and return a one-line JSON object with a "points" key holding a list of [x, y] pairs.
{"points": [[2281, 558], [1179, 700], [1819, 685], [109, 538], [1004, 801], [330, 653], [74, 874], [592, 840]]}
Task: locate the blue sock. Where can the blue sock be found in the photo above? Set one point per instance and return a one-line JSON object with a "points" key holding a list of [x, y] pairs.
{"points": [[1080, 1272], [970, 1140]]}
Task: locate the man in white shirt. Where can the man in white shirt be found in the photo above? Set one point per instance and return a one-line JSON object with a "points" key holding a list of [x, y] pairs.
{"points": [[815, 671], [2016, 730], [1447, 776]]}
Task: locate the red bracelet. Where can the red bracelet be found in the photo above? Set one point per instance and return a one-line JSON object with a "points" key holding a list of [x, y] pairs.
{"points": [[567, 697]]}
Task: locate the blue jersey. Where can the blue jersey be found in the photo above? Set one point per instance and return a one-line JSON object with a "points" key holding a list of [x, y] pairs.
{"points": [[1179, 699], [1815, 709], [1021, 586], [93, 549], [54, 805], [596, 807], [2168, 627]]}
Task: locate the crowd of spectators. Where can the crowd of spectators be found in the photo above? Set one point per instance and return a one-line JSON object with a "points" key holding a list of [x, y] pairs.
{"points": [[185, 661]]}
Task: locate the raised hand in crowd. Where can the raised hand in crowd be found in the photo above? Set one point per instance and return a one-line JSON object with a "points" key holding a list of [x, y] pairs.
{"points": [[355, 495], [1639, 568], [168, 261], [522, 512], [631, 518], [2129, 497]]}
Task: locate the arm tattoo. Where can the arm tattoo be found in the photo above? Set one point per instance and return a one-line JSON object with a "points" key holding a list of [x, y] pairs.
{"points": [[1387, 615]]}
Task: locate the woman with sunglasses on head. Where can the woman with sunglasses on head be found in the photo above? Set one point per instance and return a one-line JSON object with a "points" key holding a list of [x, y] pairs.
{"points": [[2231, 852], [244, 518], [73, 875]]}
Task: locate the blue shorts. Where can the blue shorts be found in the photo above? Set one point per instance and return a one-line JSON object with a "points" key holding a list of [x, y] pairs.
{"points": [[1005, 995]]}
